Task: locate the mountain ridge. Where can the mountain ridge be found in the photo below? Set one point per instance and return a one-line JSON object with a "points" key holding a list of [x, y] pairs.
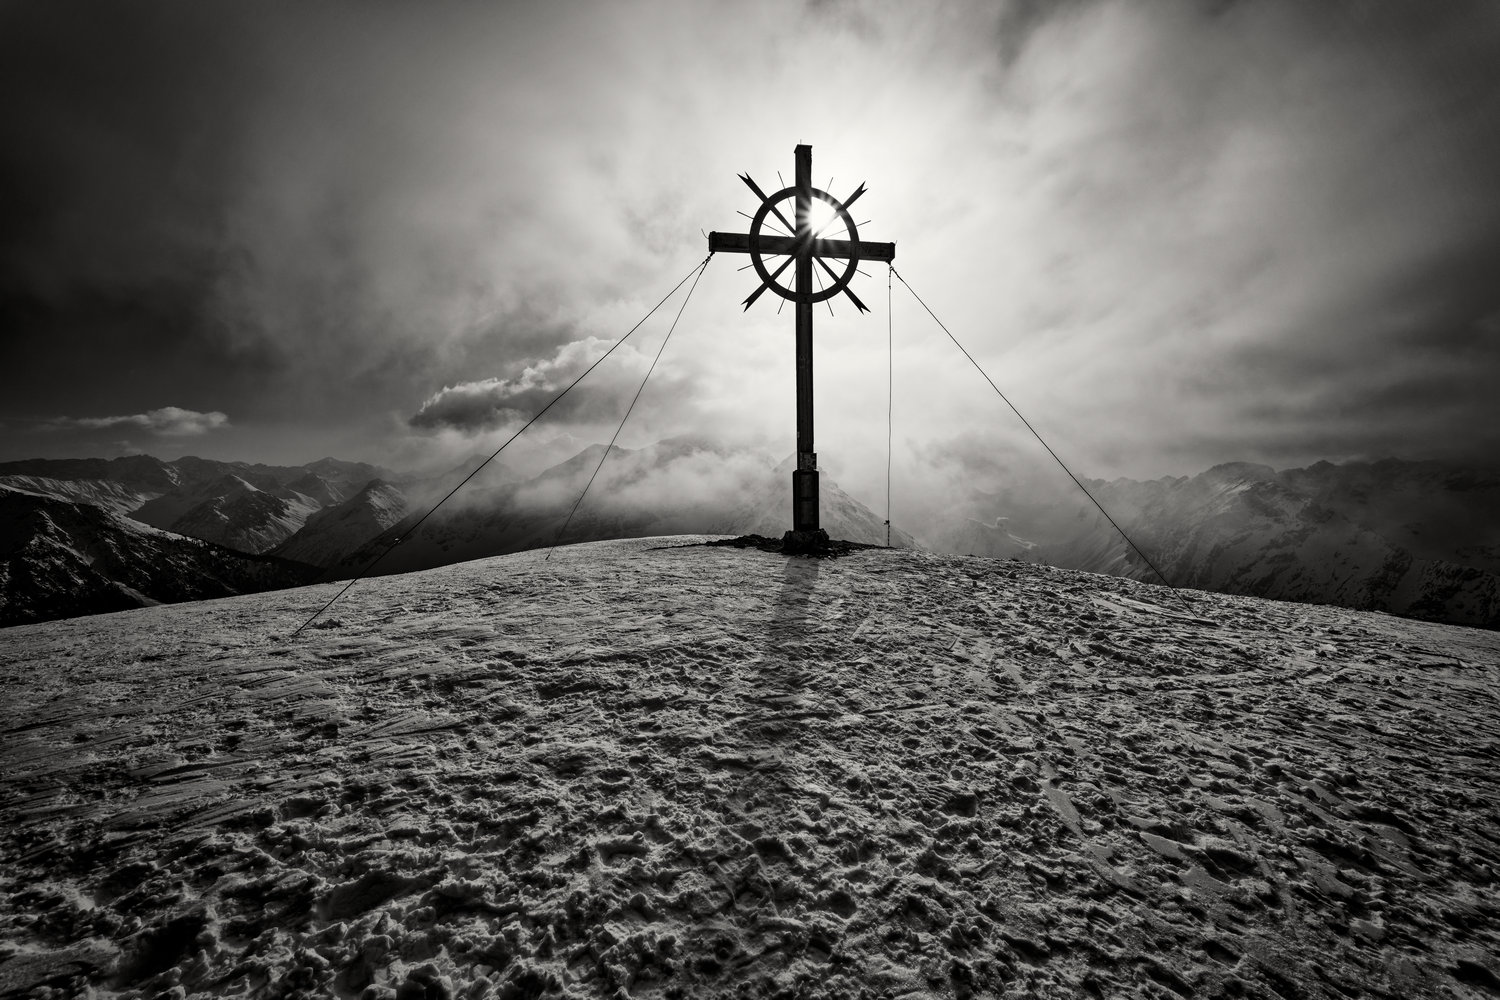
{"points": [[60, 559], [1409, 538], [203, 498]]}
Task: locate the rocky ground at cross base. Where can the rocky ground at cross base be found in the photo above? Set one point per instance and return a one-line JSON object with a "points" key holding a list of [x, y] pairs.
{"points": [[814, 543], [651, 769]]}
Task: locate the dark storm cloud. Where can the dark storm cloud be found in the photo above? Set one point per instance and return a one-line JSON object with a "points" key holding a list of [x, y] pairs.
{"points": [[485, 404], [476, 406], [127, 127], [124, 125], [286, 211]]}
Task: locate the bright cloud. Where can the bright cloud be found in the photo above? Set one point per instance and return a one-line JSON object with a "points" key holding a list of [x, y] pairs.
{"points": [[169, 421], [493, 402]]}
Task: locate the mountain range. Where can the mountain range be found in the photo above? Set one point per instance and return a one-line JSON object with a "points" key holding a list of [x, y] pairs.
{"points": [[1412, 538], [1419, 539], [234, 527], [82, 536], [60, 558], [247, 507]]}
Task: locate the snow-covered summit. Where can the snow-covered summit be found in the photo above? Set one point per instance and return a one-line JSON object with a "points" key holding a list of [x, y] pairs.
{"points": [[646, 768]]}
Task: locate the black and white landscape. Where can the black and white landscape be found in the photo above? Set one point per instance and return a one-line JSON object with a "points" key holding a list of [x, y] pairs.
{"points": [[679, 770], [1152, 411]]}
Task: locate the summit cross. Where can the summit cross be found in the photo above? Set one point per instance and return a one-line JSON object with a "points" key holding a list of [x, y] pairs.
{"points": [[803, 249]]}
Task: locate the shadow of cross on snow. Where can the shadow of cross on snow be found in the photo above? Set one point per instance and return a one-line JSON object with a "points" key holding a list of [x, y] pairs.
{"points": [[790, 666], [782, 691]]}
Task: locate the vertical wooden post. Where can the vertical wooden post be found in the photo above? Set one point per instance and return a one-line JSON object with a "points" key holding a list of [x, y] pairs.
{"points": [[805, 477], [797, 246]]}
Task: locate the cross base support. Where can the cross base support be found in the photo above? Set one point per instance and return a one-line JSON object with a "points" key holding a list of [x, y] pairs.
{"points": [[805, 500], [807, 543]]}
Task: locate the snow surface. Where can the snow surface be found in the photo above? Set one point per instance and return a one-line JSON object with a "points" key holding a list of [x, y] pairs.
{"points": [[650, 769]]}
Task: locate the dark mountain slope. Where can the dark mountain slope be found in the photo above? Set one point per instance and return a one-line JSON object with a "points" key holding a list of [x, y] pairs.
{"points": [[334, 532], [235, 512], [242, 505], [60, 559]]}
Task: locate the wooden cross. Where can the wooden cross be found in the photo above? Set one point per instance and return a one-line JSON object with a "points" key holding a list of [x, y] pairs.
{"points": [[803, 247]]}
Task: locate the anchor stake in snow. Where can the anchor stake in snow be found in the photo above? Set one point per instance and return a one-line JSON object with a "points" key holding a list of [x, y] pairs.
{"points": [[803, 248]]}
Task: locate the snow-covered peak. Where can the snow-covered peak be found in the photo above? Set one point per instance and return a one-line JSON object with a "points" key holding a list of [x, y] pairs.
{"points": [[652, 768]]}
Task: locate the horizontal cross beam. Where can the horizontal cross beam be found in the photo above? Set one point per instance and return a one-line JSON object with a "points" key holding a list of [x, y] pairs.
{"points": [[787, 245]]}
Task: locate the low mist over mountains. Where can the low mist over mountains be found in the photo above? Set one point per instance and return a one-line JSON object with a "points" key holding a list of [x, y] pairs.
{"points": [[329, 519], [674, 487], [1411, 538]]}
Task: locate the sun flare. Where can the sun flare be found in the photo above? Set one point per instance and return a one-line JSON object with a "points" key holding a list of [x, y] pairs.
{"points": [[822, 218]]}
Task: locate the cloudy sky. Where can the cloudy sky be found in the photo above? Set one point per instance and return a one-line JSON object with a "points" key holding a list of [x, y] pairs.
{"points": [[1176, 233]]}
